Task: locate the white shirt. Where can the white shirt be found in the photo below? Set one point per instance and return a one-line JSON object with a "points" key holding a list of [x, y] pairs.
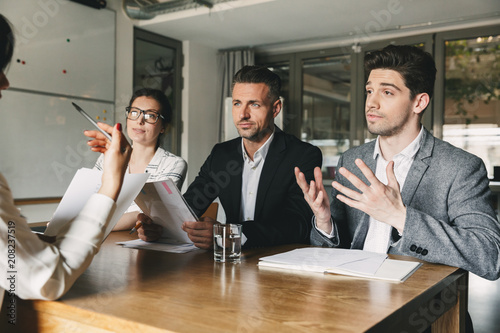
{"points": [[379, 233], [378, 238], [250, 179], [39, 270]]}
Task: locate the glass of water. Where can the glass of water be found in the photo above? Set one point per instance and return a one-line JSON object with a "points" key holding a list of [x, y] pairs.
{"points": [[227, 243]]}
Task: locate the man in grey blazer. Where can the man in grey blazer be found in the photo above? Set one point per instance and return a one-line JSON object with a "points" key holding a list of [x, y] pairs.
{"points": [[407, 193]]}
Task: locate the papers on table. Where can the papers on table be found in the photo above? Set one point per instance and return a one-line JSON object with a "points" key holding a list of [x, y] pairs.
{"points": [[341, 261], [163, 202], [165, 205], [158, 246], [85, 183]]}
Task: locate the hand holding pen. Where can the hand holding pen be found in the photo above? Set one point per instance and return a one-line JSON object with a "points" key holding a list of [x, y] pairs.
{"points": [[137, 226], [146, 229], [98, 142], [117, 155]]}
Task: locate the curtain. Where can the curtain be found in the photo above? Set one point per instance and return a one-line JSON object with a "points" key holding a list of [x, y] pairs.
{"points": [[229, 62]]}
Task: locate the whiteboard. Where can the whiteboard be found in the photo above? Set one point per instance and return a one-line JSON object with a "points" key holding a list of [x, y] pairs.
{"points": [[43, 143], [65, 52], [62, 48]]}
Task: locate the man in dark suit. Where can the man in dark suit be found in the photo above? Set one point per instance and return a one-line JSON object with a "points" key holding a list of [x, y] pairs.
{"points": [[253, 175]]}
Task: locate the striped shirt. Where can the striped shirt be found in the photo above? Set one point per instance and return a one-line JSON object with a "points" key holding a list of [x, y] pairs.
{"points": [[163, 165]]}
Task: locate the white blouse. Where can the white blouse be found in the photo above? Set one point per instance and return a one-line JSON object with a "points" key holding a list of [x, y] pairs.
{"points": [[33, 269], [164, 165]]}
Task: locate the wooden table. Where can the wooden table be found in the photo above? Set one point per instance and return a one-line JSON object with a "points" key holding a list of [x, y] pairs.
{"points": [[129, 290]]}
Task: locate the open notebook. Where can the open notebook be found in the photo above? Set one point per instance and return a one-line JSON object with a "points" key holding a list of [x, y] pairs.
{"points": [[341, 261]]}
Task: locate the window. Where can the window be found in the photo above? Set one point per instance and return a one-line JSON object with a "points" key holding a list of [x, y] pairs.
{"points": [[158, 65], [326, 96], [318, 108], [326, 107], [470, 86]]}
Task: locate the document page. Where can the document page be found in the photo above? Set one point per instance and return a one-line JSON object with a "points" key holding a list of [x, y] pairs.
{"points": [[158, 246], [85, 183], [342, 261], [163, 202]]}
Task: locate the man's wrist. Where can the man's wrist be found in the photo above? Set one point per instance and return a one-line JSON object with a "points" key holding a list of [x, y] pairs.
{"points": [[326, 226]]}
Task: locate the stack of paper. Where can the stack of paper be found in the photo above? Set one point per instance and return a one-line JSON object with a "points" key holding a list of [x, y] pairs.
{"points": [[158, 246], [341, 261], [165, 205]]}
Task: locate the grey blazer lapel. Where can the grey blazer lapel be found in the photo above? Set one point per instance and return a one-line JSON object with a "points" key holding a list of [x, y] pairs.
{"points": [[364, 219], [418, 168]]}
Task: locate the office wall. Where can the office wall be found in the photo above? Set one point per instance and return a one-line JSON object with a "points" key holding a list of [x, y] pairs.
{"points": [[124, 59], [64, 52], [199, 95], [199, 105]]}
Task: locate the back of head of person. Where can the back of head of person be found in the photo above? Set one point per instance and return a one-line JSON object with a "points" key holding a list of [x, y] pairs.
{"points": [[6, 49]]}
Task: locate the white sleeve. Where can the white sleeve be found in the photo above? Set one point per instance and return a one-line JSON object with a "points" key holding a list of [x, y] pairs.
{"points": [[42, 270], [99, 164]]}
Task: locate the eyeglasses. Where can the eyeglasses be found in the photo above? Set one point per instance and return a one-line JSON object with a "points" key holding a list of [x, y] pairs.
{"points": [[150, 116]]}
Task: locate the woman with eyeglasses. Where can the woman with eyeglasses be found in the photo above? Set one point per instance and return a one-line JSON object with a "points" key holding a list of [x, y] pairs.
{"points": [[36, 268], [148, 117]]}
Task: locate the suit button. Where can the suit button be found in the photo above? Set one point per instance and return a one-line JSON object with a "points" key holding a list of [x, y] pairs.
{"points": [[419, 250], [424, 252], [413, 248]]}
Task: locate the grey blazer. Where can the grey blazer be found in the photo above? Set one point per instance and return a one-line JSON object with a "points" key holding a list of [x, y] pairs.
{"points": [[449, 217]]}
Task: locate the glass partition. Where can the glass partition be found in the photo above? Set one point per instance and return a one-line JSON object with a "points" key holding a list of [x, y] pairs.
{"points": [[326, 97], [472, 97], [157, 65]]}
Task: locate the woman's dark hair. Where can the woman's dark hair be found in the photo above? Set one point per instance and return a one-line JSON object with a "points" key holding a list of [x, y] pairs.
{"points": [[416, 66], [6, 42], [160, 97]]}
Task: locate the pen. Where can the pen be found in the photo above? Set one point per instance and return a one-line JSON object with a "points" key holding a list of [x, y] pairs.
{"points": [[134, 229], [83, 113]]}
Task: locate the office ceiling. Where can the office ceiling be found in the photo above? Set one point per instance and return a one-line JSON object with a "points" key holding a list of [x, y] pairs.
{"points": [[264, 23]]}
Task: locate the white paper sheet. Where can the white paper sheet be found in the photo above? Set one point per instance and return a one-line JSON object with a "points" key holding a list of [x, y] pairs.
{"points": [[341, 261], [319, 259], [85, 183], [163, 202], [158, 246]]}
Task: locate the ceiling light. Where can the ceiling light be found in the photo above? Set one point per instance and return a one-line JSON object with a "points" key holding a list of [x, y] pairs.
{"points": [[148, 9]]}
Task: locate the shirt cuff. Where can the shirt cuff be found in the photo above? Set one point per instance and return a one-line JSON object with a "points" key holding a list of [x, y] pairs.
{"points": [[329, 235]]}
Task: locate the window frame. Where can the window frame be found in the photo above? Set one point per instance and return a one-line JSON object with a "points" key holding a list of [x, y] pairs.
{"points": [[440, 57], [176, 123]]}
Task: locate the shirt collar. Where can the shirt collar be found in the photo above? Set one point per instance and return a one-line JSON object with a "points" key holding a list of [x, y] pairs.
{"points": [[409, 152], [260, 154]]}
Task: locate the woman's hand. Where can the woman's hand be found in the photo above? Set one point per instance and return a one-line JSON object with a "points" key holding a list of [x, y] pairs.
{"points": [[116, 157], [149, 231]]}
